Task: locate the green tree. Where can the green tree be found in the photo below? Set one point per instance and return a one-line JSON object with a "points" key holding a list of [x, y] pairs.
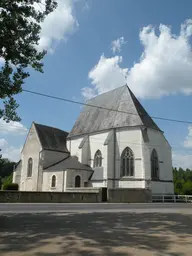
{"points": [[187, 188], [20, 26], [182, 181], [6, 171]]}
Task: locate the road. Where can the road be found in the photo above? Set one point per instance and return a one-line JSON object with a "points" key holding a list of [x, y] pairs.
{"points": [[96, 229], [103, 207]]}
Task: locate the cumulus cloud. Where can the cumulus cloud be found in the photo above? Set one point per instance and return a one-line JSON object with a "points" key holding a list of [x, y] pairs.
{"points": [[164, 66], [58, 25], [10, 152], [12, 128], [117, 44], [106, 75]]}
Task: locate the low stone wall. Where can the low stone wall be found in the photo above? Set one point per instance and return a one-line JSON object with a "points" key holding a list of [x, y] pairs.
{"points": [[49, 197], [84, 190], [126, 195]]}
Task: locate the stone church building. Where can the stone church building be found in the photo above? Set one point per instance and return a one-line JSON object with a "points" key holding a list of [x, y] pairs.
{"points": [[114, 143]]}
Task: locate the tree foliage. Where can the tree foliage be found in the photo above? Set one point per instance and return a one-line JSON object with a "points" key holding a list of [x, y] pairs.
{"points": [[182, 181], [20, 26], [6, 171]]}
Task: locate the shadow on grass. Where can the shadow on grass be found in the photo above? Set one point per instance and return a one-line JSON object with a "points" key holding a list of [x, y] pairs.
{"points": [[47, 234]]}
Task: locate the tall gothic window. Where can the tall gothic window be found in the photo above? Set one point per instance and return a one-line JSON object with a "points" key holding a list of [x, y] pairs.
{"points": [[30, 167], [98, 159], [53, 181], [154, 165], [127, 162], [77, 181]]}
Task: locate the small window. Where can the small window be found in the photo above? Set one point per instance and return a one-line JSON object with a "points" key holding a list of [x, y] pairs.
{"points": [[154, 165], [127, 162], [77, 181], [53, 181], [98, 159], [30, 167]]}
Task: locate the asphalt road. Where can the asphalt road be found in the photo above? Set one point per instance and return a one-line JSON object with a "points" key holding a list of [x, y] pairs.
{"points": [[103, 207], [96, 229]]}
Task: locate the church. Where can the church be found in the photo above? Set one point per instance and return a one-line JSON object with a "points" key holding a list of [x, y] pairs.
{"points": [[114, 143]]}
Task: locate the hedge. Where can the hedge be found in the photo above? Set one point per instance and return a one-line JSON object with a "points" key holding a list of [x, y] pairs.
{"points": [[11, 186]]}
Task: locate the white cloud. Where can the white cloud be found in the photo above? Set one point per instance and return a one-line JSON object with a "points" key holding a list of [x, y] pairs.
{"points": [[12, 128], [117, 44], [188, 140], [164, 66], [106, 75], [8, 151], [182, 160], [88, 93], [58, 25], [3, 143]]}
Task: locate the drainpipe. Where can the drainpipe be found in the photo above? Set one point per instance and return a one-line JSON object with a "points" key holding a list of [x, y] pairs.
{"points": [[114, 158], [63, 181]]}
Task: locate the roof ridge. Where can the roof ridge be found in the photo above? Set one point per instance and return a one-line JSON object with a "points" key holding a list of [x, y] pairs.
{"points": [[119, 103], [141, 115], [52, 127], [107, 92]]}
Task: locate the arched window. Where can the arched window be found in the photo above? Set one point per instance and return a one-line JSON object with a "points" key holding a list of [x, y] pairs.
{"points": [[154, 165], [98, 159], [53, 181], [77, 181], [127, 162], [30, 167]]}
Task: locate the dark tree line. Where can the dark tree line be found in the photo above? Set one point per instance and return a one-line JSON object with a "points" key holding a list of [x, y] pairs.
{"points": [[6, 171], [182, 181]]}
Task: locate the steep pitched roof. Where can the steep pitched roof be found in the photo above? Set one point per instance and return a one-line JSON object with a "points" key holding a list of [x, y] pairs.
{"points": [[51, 138], [94, 119]]}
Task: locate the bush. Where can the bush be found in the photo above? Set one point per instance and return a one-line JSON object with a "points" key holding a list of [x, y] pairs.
{"points": [[10, 186]]}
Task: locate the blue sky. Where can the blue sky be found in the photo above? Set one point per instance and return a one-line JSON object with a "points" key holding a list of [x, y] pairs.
{"points": [[149, 48]]}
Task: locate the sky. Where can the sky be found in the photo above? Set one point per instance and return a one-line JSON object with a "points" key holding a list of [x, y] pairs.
{"points": [[97, 45]]}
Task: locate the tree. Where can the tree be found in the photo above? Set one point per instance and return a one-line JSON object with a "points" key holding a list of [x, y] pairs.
{"points": [[6, 171], [182, 181], [20, 26]]}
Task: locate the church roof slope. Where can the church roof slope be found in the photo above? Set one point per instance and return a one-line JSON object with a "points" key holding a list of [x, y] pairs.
{"points": [[52, 138], [70, 162], [116, 102]]}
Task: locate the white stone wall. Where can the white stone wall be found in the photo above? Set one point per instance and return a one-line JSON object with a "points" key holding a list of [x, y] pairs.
{"points": [[162, 187], [97, 143], [87, 152], [70, 177], [98, 184], [131, 184], [31, 148], [158, 142], [141, 145], [47, 178], [132, 138], [17, 174], [73, 147]]}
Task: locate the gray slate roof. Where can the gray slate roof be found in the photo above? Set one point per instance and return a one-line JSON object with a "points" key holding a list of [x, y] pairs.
{"points": [[52, 138], [94, 119], [70, 162]]}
